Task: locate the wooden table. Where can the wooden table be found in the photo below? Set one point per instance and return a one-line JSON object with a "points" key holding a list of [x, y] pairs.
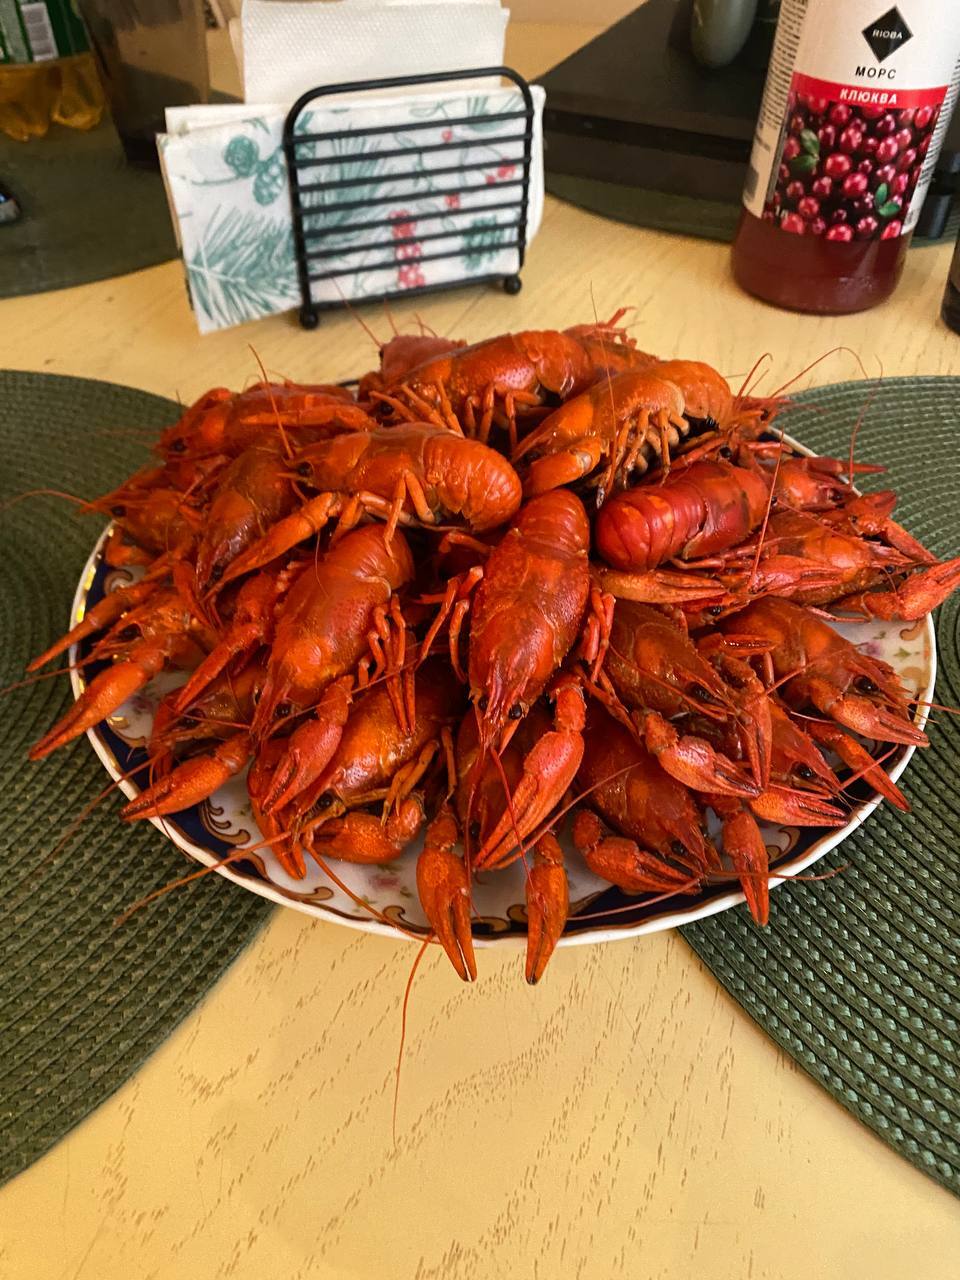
{"points": [[625, 1118]]}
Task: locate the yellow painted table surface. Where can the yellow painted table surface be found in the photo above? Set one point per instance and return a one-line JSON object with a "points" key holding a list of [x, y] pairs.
{"points": [[625, 1118]]}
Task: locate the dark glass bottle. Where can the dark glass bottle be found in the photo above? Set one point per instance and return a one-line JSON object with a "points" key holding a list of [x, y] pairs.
{"points": [[853, 115]]}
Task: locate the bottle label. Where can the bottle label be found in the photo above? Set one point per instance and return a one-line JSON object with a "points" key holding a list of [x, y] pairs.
{"points": [[854, 111], [39, 30]]}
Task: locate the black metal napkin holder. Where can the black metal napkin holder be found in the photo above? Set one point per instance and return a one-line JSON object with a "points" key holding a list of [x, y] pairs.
{"points": [[312, 242]]}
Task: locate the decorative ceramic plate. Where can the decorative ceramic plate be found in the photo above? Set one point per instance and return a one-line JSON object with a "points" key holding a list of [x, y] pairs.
{"points": [[598, 911]]}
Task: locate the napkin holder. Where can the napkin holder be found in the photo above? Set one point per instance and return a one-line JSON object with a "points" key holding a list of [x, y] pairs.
{"points": [[308, 191]]}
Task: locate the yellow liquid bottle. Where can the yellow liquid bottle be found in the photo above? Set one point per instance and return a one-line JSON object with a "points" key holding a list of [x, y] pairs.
{"points": [[47, 72]]}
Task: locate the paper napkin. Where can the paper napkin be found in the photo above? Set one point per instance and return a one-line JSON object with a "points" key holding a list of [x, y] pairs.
{"points": [[227, 184]]}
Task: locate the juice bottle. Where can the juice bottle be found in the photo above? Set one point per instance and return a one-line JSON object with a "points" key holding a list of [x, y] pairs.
{"points": [[854, 111], [46, 69]]}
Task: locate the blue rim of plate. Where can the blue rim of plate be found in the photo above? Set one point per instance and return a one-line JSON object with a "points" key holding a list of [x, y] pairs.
{"points": [[629, 915]]}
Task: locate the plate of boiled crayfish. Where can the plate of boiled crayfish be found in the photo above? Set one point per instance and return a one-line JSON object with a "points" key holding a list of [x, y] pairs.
{"points": [[540, 640]]}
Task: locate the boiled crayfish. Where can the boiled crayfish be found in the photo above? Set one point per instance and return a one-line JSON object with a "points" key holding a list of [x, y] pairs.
{"points": [[541, 575]]}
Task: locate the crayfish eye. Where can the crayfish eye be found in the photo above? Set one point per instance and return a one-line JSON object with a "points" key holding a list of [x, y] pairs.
{"points": [[715, 610], [128, 633], [678, 848], [483, 703], [283, 710], [325, 801], [304, 470], [863, 684], [804, 771], [700, 693], [216, 573], [178, 445], [710, 423], [474, 830], [118, 511], [725, 452], [515, 712]]}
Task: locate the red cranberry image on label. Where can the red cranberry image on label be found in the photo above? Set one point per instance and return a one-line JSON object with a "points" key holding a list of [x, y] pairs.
{"points": [[839, 232], [886, 173], [885, 125], [871, 111], [903, 138], [827, 135], [791, 149], [795, 191], [840, 114], [822, 187], [866, 227], [922, 146], [868, 147], [851, 139], [854, 184], [783, 173], [808, 207], [793, 223], [887, 149], [797, 123], [865, 166], [899, 184], [923, 117], [838, 215], [817, 227], [837, 165], [816, 106], [908, 159], [891, 230]]}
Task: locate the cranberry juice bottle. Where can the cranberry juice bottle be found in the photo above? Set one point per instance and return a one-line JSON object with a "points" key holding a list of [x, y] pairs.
{"points": [[855, 107]]}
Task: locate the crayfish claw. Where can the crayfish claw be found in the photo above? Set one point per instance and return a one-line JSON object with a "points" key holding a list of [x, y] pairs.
{"points": [[859, 759], [548, 904], [866, 717], [744, 846], [622, 862], [102, 696], [444, 890], [693, 761], [782, 806], [191, 782]]}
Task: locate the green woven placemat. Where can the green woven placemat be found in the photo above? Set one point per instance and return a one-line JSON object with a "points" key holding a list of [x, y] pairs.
{"points": [[87, 214], [857, 977], [82, 1003]]}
